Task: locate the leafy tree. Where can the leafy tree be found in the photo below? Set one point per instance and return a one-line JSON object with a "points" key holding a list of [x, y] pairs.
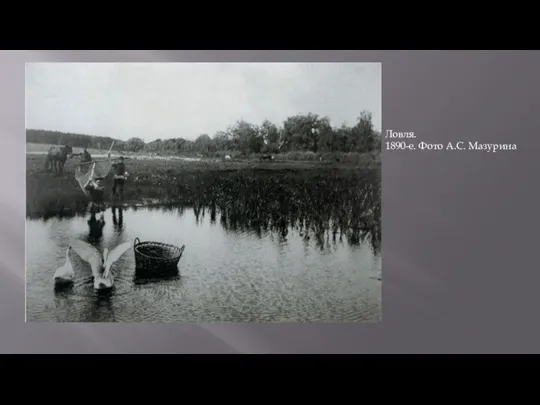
{"points": [[135, 145], [203, 142], [246, 137], [301, 132]]}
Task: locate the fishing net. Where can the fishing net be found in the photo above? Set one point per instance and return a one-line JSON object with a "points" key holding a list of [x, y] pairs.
{"points": [[87, 173]]}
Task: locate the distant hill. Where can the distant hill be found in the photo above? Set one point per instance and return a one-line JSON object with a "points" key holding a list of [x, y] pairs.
{"points": [[76, 140]]}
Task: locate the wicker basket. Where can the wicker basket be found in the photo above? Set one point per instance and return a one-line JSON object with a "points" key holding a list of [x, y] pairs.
{"points": [[156, 258]]}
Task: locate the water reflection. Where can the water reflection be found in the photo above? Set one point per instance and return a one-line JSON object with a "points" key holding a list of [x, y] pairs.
{"points": [[325, 208], [95, 226], [101, 308], [118, 219], [262, 248], [224, 275], [323, 217], [63, 303], [63, 290]]}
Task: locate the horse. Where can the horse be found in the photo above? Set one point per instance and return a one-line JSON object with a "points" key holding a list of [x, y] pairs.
{"points": [[57, 156]]}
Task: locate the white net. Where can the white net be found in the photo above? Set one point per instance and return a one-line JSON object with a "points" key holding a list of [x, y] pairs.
{"points": [[88, 171]]}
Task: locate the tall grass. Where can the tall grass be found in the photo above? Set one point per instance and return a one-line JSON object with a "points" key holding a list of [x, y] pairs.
{"points": [[317, 200]]}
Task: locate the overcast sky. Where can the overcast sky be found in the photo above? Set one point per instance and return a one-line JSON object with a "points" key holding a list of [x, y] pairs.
{"points": [[168, 100]]}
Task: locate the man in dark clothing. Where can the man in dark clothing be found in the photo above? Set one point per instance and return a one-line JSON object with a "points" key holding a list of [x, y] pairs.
{"points": [[119, 177], [85, 159], [86, 156]]}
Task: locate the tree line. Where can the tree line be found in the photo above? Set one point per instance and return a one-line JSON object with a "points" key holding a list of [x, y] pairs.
{"points": [[299, 133]]}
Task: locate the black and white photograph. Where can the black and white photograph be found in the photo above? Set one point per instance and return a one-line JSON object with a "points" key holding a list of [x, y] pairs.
{"points": [[203, 192]]}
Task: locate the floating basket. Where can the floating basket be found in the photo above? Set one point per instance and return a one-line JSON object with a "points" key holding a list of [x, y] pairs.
{"points": [[156, 258]]}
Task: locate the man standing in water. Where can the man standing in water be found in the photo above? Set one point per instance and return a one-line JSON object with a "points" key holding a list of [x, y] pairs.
{"points": [[119, 177]]}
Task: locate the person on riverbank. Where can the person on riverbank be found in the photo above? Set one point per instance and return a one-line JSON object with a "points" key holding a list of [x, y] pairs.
{"points": [[119, 178]]}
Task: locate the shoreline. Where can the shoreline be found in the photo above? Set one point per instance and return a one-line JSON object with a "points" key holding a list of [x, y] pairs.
{"points": [[182, 182]]}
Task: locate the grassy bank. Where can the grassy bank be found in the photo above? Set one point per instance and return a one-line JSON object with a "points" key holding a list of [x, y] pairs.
{"points": [[364, 159], [167, 180]]}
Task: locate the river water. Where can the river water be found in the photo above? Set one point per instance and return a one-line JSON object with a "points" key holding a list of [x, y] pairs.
{"points": [[225, 274]]}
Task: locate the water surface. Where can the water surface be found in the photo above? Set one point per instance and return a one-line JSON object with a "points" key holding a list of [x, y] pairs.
{"points": [[227, 273]]}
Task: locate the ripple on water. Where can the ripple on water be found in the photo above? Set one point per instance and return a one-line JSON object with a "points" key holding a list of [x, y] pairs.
{"points": [[227, 276], [151, 302], [84, 286], [127, 301]]}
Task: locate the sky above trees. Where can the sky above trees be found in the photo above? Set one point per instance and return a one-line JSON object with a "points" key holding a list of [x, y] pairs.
{"points": [[184, 100]]}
